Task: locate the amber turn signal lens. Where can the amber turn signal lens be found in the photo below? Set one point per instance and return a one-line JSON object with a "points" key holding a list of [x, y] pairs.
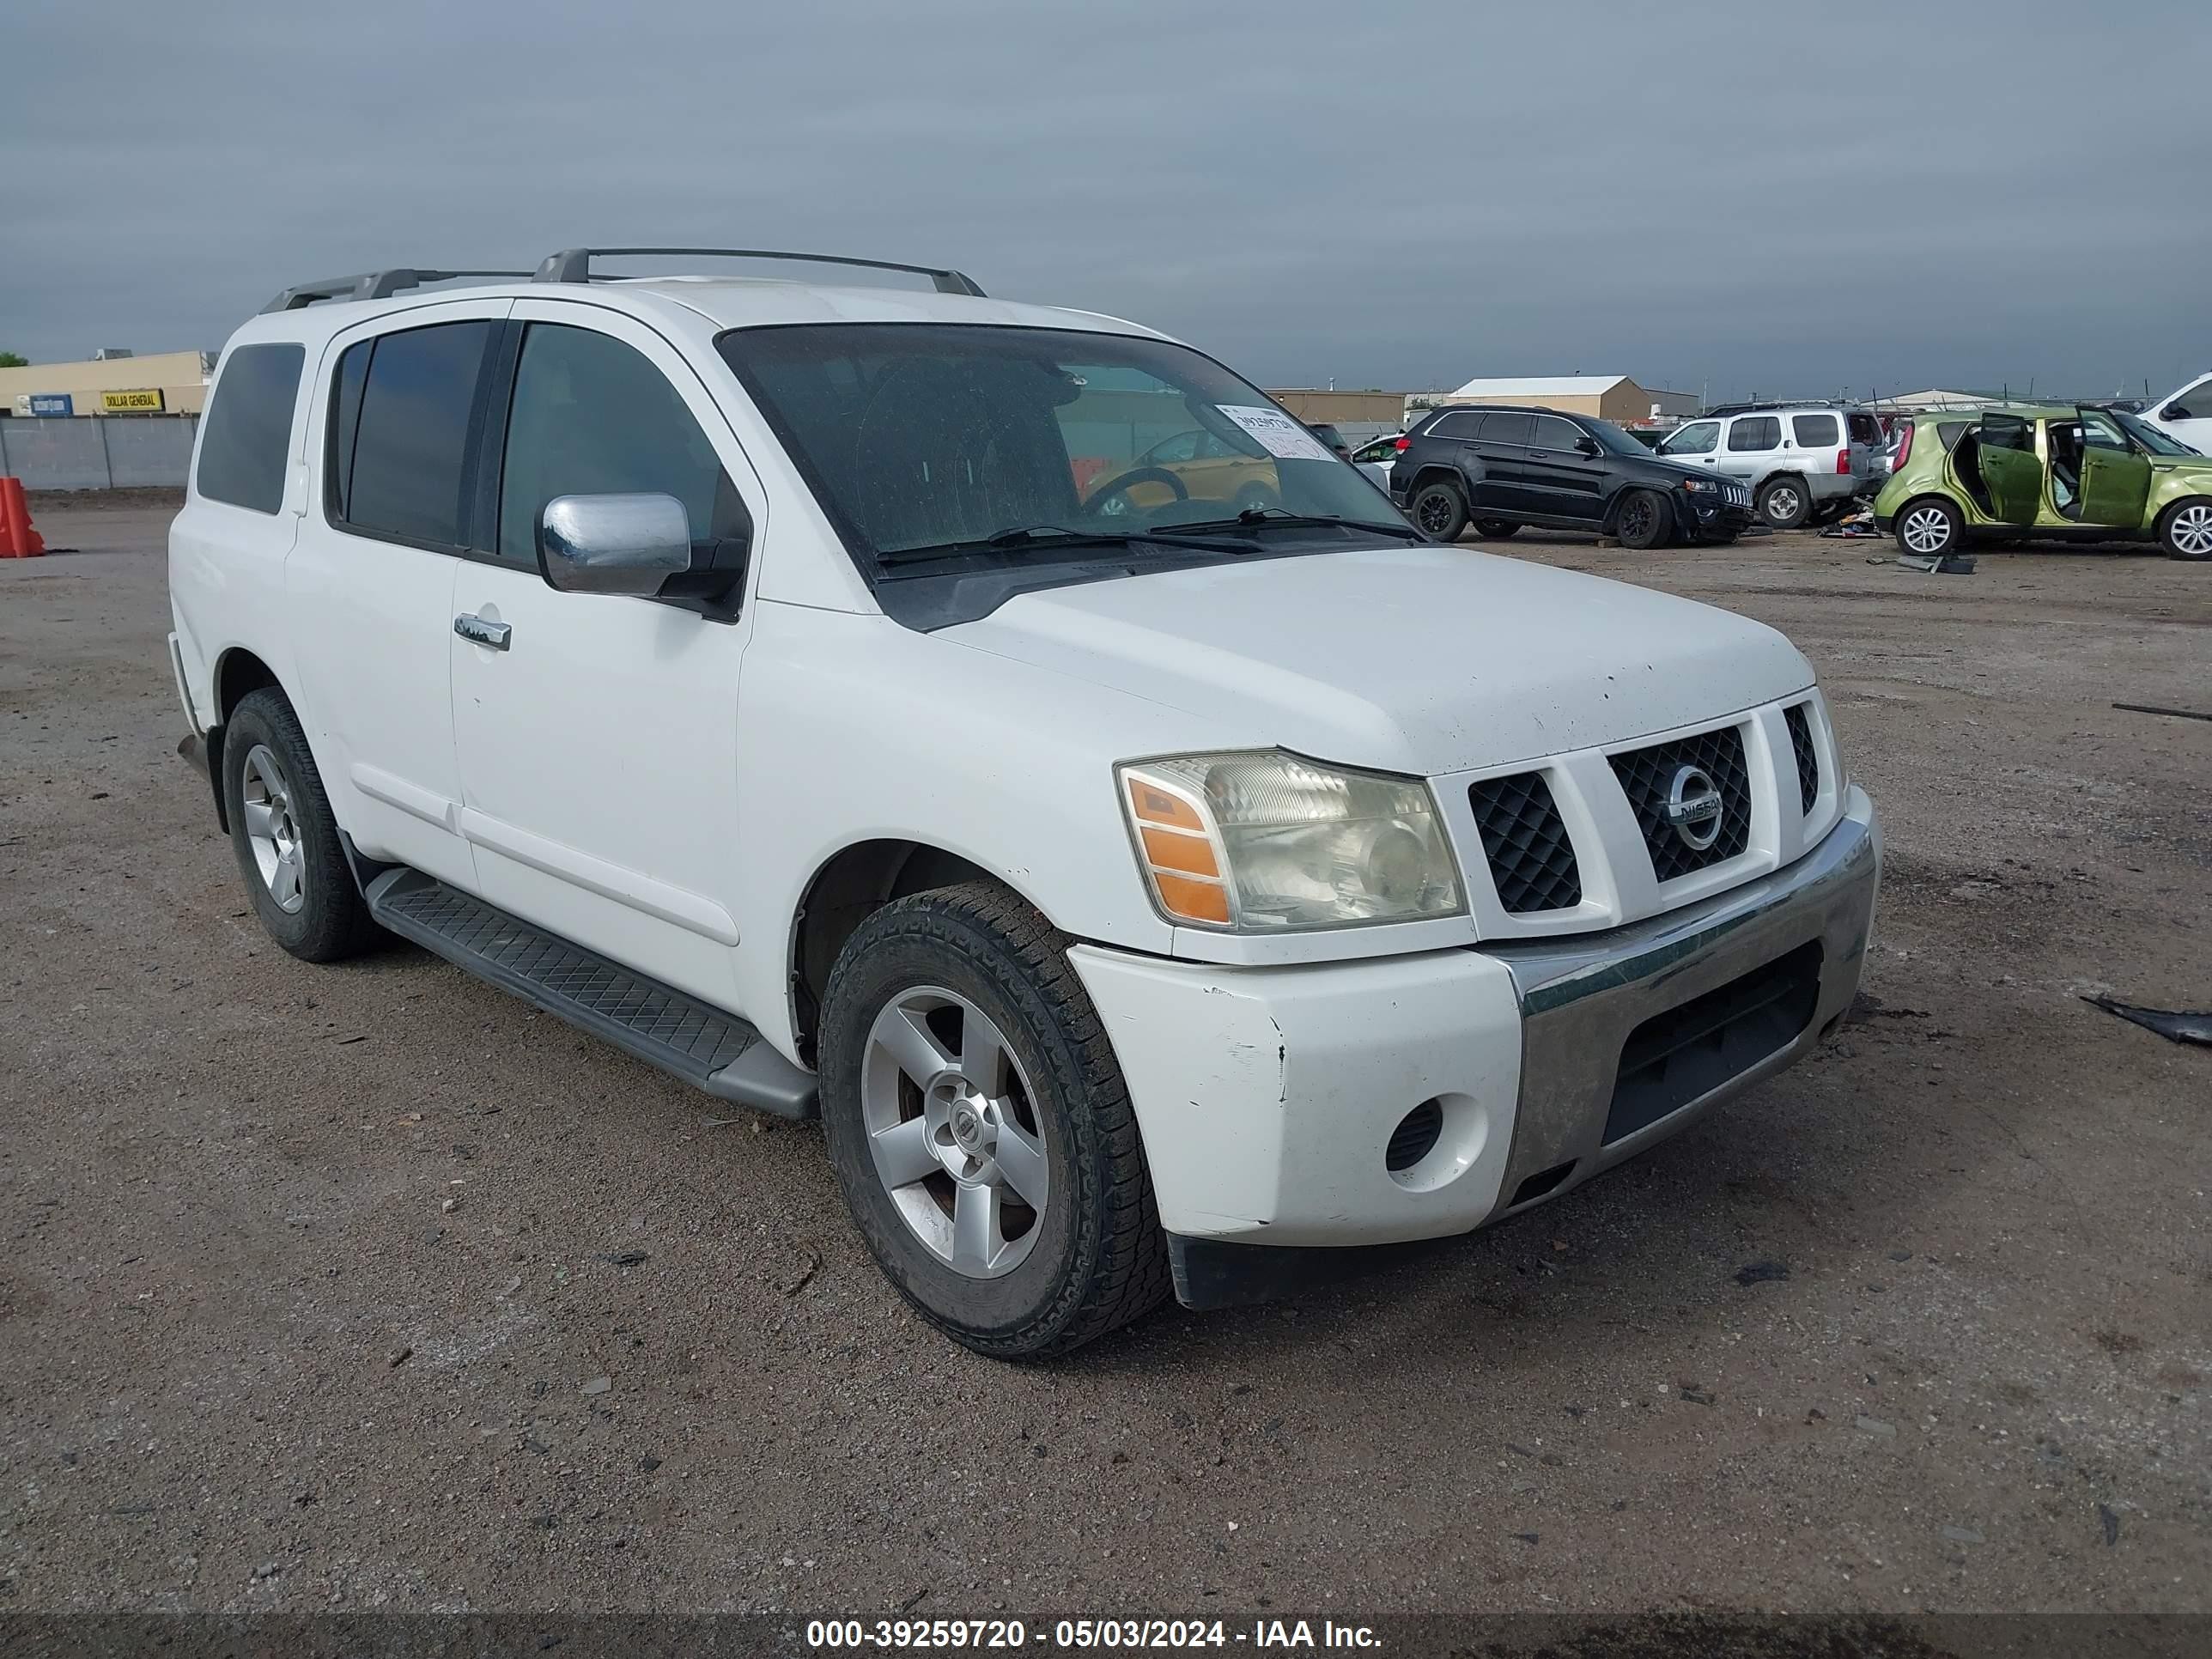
{"points": [[1156, 805], [1193, 855], [1193, 901]]}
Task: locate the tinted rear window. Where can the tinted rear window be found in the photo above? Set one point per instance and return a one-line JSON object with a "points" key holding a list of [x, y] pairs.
{"points": [[1948, 433], [1755, 432], [405, 474], [249, 427], [1814, 431], [1865, 430], [1509, 430], [1464, 425]]}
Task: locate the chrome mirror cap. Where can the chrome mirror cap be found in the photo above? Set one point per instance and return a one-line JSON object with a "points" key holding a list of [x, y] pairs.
{"points": [[613, 543]]}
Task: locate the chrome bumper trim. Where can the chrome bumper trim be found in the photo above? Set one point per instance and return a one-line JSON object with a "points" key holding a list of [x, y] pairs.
{"points": [[1582, 997]]}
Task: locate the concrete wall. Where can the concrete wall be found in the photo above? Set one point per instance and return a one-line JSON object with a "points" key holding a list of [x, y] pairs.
{"points": [[99, 453]]}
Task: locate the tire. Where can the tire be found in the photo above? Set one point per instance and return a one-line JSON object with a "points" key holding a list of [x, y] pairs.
{"points": [[1784, 503], [1090, 1256], [296, 872], [1495, 530], [1928, 527], [1438, 510], [1643, 521], [2185, 530]]}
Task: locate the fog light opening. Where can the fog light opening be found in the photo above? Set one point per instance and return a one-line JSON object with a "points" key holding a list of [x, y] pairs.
{"points": [[1436, 1143], [1415, 1137]]}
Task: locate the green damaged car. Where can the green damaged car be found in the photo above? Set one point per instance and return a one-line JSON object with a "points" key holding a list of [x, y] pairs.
{"points": [[2059, 474]]}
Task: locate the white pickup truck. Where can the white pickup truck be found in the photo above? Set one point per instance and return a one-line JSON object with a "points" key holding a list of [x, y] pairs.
{"points": [[1155, 861]]}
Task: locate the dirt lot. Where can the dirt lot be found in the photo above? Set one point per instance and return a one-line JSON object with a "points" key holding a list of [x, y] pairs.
{"points": [[249, 1360]]}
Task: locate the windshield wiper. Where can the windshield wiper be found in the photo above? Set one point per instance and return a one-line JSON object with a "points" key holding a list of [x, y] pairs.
{"points": [[1257, 517], [1052, 535]]}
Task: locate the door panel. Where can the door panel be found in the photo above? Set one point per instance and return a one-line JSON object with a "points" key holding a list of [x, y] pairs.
{"points": [[599, 749], [1749, 450], [2011, 471], [2115, 486], [1501, 457], [372, 616], [1563, 482]]}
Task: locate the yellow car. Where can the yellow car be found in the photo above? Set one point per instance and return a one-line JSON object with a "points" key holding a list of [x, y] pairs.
{"points": [[1193, 465]]}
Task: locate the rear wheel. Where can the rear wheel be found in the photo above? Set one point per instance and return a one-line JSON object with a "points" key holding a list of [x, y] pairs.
{"points": [[2185, 531], [1784, 503], [285, 835], [1439, 510], [1643, 521], [1928, 527], [979, 1126], [1495, 530]]}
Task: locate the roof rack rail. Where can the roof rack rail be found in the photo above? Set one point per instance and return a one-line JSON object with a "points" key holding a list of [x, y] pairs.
{"points": [[574, 265], [369, 285]]}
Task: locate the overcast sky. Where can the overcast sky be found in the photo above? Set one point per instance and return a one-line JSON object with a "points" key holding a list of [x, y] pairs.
{"points": [[1768, 197]]}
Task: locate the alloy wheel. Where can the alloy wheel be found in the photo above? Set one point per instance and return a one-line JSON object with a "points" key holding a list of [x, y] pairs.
{"points": [[953, 1126], [280, 851], [1926, 529], [1435, 513], [1783, 503], [2191, 531], [1636, 519]]}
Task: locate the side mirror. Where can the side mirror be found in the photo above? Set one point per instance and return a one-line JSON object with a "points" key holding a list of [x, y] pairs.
{"points": [[2175, 412], [613, 543], [1585, 445]]}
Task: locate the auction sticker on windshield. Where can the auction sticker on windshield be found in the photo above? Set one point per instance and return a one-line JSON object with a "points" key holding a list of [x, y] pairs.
{"points": [[1283, 437]]}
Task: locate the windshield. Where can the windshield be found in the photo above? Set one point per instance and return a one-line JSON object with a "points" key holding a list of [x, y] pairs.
{"points": [[926, 436], [2159, 443], [1615, 438]]}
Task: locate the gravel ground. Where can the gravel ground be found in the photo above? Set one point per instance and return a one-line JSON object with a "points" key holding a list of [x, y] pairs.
{"points": [[368, 1286]]}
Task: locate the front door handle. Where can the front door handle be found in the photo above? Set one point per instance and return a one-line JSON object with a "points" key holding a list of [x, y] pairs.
{"points": [[476, 630]]}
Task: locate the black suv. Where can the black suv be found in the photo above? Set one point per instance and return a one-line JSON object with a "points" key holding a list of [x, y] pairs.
{"points": [[1500, 467]]}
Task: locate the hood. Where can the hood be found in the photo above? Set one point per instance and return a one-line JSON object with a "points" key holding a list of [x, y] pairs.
{"points": [[1421, 659]]}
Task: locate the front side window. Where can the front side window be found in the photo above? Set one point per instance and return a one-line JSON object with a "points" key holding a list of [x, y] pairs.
{"points": [[1698, 438], [249, 427], [1814, 431], [400, 432], [931, 437], [1755, 432], [591, 415], [1555, 435]]}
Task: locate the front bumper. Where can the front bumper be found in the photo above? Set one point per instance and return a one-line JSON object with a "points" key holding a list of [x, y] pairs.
{"points": [[1268, 1096]]}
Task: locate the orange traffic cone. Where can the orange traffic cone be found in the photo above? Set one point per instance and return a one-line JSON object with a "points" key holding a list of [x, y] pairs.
{"points": [[17, 539]]}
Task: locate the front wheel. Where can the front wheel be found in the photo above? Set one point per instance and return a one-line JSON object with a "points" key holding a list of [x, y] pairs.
{"points": [[1784, 503], [980, 1129], [285, 836], [1929, 528], [2185, 531], [1642, 522], [1439, 510]]}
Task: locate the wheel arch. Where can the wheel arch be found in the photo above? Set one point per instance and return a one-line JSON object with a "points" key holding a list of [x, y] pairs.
{"points": [[239, 672], [851, 886]]}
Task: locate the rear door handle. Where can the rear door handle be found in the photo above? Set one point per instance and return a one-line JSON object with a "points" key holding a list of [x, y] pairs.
{"points": [[476, 630]]}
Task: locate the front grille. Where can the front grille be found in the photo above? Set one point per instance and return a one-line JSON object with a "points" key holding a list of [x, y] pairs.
{"points": [[1647, 776], [1531, 859], [1737, 494], [1674, 1058], [1808, 762]]}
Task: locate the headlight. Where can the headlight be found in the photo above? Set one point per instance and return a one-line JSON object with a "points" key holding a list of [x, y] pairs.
{"points": [[1701, 486], [1268, 843]]}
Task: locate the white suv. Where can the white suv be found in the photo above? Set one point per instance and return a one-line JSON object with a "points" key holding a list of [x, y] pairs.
{"points": [[1803, 461], [1150, 879]]}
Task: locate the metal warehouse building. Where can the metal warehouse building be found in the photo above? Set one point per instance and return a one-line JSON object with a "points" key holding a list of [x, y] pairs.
{"points": [[1612, 397]]}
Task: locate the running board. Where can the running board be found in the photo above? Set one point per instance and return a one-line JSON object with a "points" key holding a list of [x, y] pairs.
{"points": [[664, 1027]]}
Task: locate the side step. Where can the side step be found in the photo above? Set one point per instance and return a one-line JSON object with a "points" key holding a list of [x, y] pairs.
{"points": [[705, 1047]]}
